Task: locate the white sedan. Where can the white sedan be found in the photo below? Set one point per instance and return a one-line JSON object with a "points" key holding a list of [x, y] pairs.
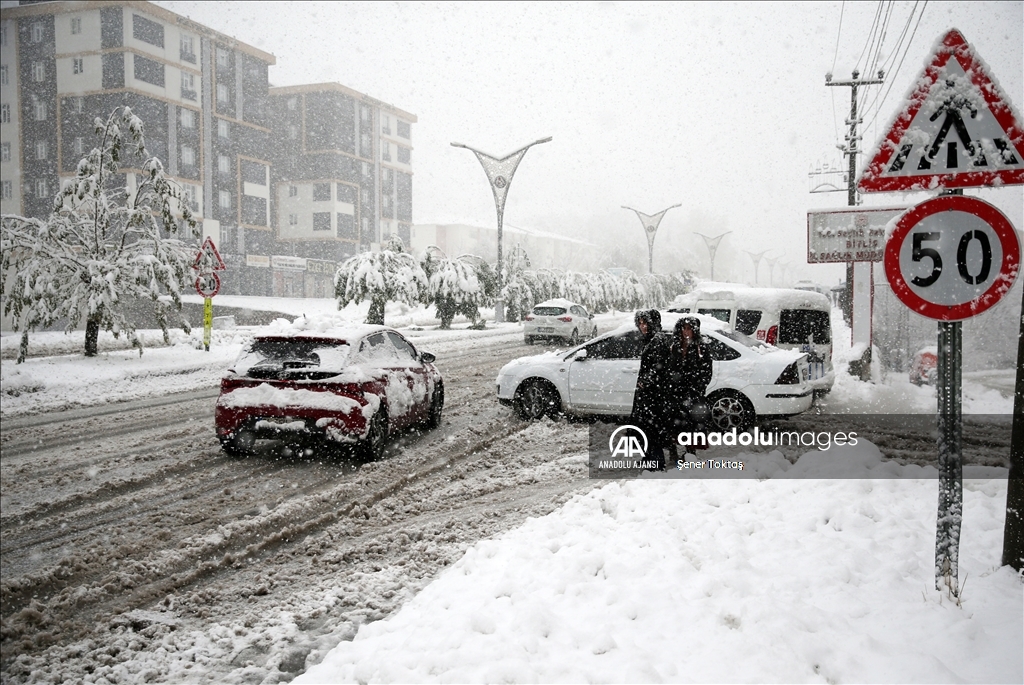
{"points": [[750, 379], [559, 319]]}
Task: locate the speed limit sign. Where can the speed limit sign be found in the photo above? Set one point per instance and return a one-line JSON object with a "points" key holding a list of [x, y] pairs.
{"points": [[952, 257], [208, 284]]}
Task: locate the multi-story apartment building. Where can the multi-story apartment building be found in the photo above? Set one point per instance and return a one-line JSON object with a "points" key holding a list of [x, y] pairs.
{"points": [[220, 131], [343, 176]]}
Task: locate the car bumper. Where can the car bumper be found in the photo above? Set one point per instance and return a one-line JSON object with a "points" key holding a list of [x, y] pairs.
{"points": [[338, 418], [777, 402]]}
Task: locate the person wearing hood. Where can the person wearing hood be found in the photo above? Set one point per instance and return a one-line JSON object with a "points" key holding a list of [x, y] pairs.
{"points": [[688, 373], [648, 412]]}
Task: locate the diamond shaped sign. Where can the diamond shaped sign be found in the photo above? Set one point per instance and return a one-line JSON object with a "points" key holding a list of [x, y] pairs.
{"points": [[956, 130]]}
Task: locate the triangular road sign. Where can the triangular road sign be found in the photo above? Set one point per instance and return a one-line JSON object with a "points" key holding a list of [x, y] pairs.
{"points": [[208, 257], [957, 129]]}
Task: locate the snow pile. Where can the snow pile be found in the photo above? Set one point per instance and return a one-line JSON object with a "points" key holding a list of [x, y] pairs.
{"points": [[713, 581]]}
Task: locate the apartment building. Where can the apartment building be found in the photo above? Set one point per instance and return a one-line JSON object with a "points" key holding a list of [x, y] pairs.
{"points": [[252, 160]]}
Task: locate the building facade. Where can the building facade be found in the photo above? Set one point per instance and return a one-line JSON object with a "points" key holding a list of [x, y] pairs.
{"points": [[253, 161]]}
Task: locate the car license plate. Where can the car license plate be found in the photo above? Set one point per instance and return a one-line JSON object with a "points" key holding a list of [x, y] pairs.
{"points": [[545, 329]]}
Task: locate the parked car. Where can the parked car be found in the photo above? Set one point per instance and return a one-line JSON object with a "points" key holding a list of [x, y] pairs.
{"points": [[559, 319], [750, 379], [924, 369], [789, 318], [350, 386]]}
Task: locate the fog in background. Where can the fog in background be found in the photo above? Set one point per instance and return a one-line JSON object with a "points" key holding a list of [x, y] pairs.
{"points": [[721, 107]]}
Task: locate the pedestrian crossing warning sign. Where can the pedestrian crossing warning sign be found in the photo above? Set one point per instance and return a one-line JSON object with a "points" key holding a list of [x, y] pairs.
{"points": [[957, 129]]}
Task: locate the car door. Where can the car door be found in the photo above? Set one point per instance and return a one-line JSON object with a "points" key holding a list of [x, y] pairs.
{"points": [[604, 380], [381, 359], [418, 379]]}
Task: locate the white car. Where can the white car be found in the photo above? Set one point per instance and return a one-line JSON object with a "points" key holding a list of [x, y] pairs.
{"points": [[559, 318], [750, 379]]}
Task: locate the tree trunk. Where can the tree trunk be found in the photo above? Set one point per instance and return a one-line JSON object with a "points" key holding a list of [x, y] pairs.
{"points": [[92, 335], [376, 313]]}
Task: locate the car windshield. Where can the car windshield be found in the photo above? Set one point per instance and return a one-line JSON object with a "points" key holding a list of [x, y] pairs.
{"points": [[742, 339], [273, 357], [548, 311]]}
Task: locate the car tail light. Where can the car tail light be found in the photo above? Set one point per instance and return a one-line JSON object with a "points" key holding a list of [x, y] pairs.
{"points": [[229, 383], [567, 319], [528, 317], [773, 335], [791, 376]]}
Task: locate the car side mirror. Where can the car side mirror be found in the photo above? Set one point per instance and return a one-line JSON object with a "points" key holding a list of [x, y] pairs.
{"points": [[581, 355], [427, 358]]}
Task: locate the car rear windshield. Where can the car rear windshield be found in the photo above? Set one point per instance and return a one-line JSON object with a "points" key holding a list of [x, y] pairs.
{"points": [[720, 314], [287, 357], [799, 326], [548, 311]]}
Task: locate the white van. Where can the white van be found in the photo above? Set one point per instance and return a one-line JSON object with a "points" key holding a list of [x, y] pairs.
{"points": [[787, 318]]}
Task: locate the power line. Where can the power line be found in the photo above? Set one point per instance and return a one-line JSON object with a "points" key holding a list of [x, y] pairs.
{"points": [[871, 33], [892, 79], [887, 64]]}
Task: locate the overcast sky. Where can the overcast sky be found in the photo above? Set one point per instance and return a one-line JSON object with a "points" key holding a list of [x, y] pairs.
{"points": [[720, 107]]}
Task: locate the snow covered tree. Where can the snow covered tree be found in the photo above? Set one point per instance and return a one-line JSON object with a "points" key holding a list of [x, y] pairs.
{"points": [[391, 275], [109, 241], [452, 287]]}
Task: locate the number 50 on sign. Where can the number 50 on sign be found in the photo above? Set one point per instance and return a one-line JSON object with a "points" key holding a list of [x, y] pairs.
{"points": [[952, 257]]}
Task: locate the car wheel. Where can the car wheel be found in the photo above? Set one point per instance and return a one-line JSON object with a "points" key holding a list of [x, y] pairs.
{"points": [[529, 340], [535, 399], [372, 446], [436, 407], [574, 339], [240, 444], [730, 409]]}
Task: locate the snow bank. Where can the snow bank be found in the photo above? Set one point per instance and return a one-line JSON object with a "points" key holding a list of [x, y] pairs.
{"points": [[713, 581]]}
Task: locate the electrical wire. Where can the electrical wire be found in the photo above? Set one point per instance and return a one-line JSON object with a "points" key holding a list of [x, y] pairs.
{"points": [[892, 79], [871, 34], [891, 58]]}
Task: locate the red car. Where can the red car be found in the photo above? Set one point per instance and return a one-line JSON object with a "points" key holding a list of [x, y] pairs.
{"points": [[353, 386], [924, 368]]}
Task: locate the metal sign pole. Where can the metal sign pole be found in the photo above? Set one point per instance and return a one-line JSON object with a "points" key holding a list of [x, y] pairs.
{"points": [[951, 495], [207, 321]]}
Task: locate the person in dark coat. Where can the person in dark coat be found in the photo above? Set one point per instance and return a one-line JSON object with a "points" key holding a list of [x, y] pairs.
{"points": [[648, 400], [688, 373]]}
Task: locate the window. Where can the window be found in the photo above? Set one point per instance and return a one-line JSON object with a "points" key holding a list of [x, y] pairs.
{"points": [[293, 219], [42, 149], [39, 110], [321, 221], [364, 196], [188, 118], [403, 129], [224, 199], [404, 154], [188, 52], [8, 190], [191, 196], [385, 151], [366, 169], [365, 223], [293, 132], [188, 156], [346, 193], [3, 36], [223, 164], [747, 321], [321, 192], [5, 152], [77, 104], [223, 58], [799, 326], [223, 94], [149, 71], [78, 65], [3, 75], [387, 176], [37, 32], [347, 227], [293, 104], [293, 191], [147, 31], [188, 86], [364, 113], [5, 114], [222, 128], [78, 145], [76, 25], [385, 124], [42, 188], [38, 71]]}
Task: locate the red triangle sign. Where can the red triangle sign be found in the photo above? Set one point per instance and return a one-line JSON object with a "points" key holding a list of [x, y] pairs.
{"points": [[208, 257], [957, 130]]}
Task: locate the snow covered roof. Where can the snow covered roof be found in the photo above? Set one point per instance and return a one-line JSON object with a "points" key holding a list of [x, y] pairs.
{"points": [[747, 296], [320, 326]]}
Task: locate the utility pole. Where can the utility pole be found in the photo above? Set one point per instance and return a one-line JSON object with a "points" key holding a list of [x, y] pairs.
{"points": [[858, 278]]}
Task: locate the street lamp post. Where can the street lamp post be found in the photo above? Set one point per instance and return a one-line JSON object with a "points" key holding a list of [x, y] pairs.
{"points": [[712, 244], [771, 269], [650, 223], [499, 172], [756, 256]]}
